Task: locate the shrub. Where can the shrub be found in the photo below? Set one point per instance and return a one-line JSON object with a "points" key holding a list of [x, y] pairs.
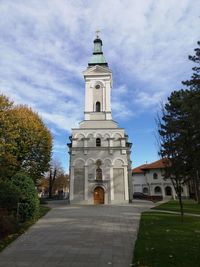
{"points": [[29, 202], [8, 225], [9, 197]]}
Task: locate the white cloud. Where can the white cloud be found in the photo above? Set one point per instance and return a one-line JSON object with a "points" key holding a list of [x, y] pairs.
{"points": [[148, 100], [45, 46]]}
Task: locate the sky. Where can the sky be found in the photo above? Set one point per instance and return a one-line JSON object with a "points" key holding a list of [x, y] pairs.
{"points": [[46, 45]]}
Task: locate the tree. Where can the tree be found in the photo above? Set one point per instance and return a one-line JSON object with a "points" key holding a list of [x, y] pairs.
{"points": [[55, 171], [179, 132], [8, 161], [170, 125], [194, 82], [55, 179], [61, 182], [193, 109], [25, 142]]}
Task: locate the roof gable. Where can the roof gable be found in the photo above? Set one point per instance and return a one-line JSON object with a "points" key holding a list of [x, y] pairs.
{"points": [[97, 70]]}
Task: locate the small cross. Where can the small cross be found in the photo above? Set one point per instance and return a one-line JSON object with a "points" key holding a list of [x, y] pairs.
{"points": [[97, 33]]}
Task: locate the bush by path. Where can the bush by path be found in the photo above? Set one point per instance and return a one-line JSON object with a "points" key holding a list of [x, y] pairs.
{"points": [[9, 197], [28, 202]]}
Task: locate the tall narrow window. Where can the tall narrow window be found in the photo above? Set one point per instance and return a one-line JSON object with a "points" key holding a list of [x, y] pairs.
{"points": [[98, 142], [98, 173], [98, 106]]}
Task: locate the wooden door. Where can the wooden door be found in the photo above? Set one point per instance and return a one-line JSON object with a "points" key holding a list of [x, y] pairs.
{"points": [[98, 195]]}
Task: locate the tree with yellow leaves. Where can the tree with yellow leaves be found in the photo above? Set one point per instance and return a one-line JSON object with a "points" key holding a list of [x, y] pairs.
{"points": [[25, 141]]}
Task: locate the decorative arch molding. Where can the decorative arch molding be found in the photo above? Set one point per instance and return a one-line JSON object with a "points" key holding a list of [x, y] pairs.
{"points": [[90, 160], [98, 135], [105, 162], [117, 135], [80, 161], [90, 135], [119, 162], [94, 83], [106, 136], [79, 135], [92, 188]]}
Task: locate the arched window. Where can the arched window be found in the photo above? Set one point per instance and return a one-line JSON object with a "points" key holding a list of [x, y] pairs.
{"points": [[145, 190], [98, 106], [98, 142], [98, 173], [168, 191], [155, 175], [157, 190]]}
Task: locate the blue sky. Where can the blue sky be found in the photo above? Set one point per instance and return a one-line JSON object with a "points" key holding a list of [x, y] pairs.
{"points": [[45, 46]]}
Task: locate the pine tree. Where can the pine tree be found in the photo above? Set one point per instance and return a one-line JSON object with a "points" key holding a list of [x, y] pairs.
{"points": [[171, 129], [193, 108], [194, 82], [179, 131]]}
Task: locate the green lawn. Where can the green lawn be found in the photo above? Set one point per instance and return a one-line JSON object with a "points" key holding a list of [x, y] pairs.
{"points": [[164, 241], [10, 238], [189, 206]]}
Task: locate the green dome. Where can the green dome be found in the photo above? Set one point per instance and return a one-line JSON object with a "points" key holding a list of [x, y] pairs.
{"points": [[97, 57]]}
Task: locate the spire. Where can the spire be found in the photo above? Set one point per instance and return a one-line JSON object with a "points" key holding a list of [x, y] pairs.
{"points": [[97, 57]]}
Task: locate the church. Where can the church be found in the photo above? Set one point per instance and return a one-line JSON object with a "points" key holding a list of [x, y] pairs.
{"points": [[100, 165]]}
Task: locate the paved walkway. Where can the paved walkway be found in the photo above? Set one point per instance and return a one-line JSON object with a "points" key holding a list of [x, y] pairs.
{"points": [[177, 212], [78, 236]]}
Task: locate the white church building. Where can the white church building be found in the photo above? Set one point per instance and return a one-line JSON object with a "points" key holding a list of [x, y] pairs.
{"points": [[100, 166]]}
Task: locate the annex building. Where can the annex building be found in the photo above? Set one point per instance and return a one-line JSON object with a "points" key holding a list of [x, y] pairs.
{"points": [[149, 180], [100, 166]]}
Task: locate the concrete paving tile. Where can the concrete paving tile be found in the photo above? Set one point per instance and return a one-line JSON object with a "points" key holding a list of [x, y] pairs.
{"points": [[78, 236]]}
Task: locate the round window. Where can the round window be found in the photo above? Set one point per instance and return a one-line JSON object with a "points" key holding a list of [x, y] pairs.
{"points": [[97, 86]]}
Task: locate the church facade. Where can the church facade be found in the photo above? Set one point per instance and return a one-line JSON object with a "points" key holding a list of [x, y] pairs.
{"points": [[100, 166]]}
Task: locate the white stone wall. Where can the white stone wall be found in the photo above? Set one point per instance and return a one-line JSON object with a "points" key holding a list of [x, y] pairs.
{"points": [[113, 156], [148, 180]]}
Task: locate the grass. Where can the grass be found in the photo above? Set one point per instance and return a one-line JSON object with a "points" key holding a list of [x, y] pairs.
{"points": [[164, 241], [10, 238], [189, 206]]}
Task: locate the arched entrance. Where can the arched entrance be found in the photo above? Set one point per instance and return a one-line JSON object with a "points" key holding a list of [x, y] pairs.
{"points": [[98, 195], [168, 191]]}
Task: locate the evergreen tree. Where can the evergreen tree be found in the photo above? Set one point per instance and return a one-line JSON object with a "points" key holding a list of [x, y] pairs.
{"points": [[194, 82], [192, 107], [179, 131], [171, 132]]}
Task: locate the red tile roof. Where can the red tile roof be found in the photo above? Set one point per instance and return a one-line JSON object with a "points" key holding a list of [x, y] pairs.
{"points": [[159, 164], [139, 169]]}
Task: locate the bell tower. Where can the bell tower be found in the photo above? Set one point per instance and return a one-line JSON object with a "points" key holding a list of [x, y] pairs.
{"points": [[100, 166], [98, 85]]}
